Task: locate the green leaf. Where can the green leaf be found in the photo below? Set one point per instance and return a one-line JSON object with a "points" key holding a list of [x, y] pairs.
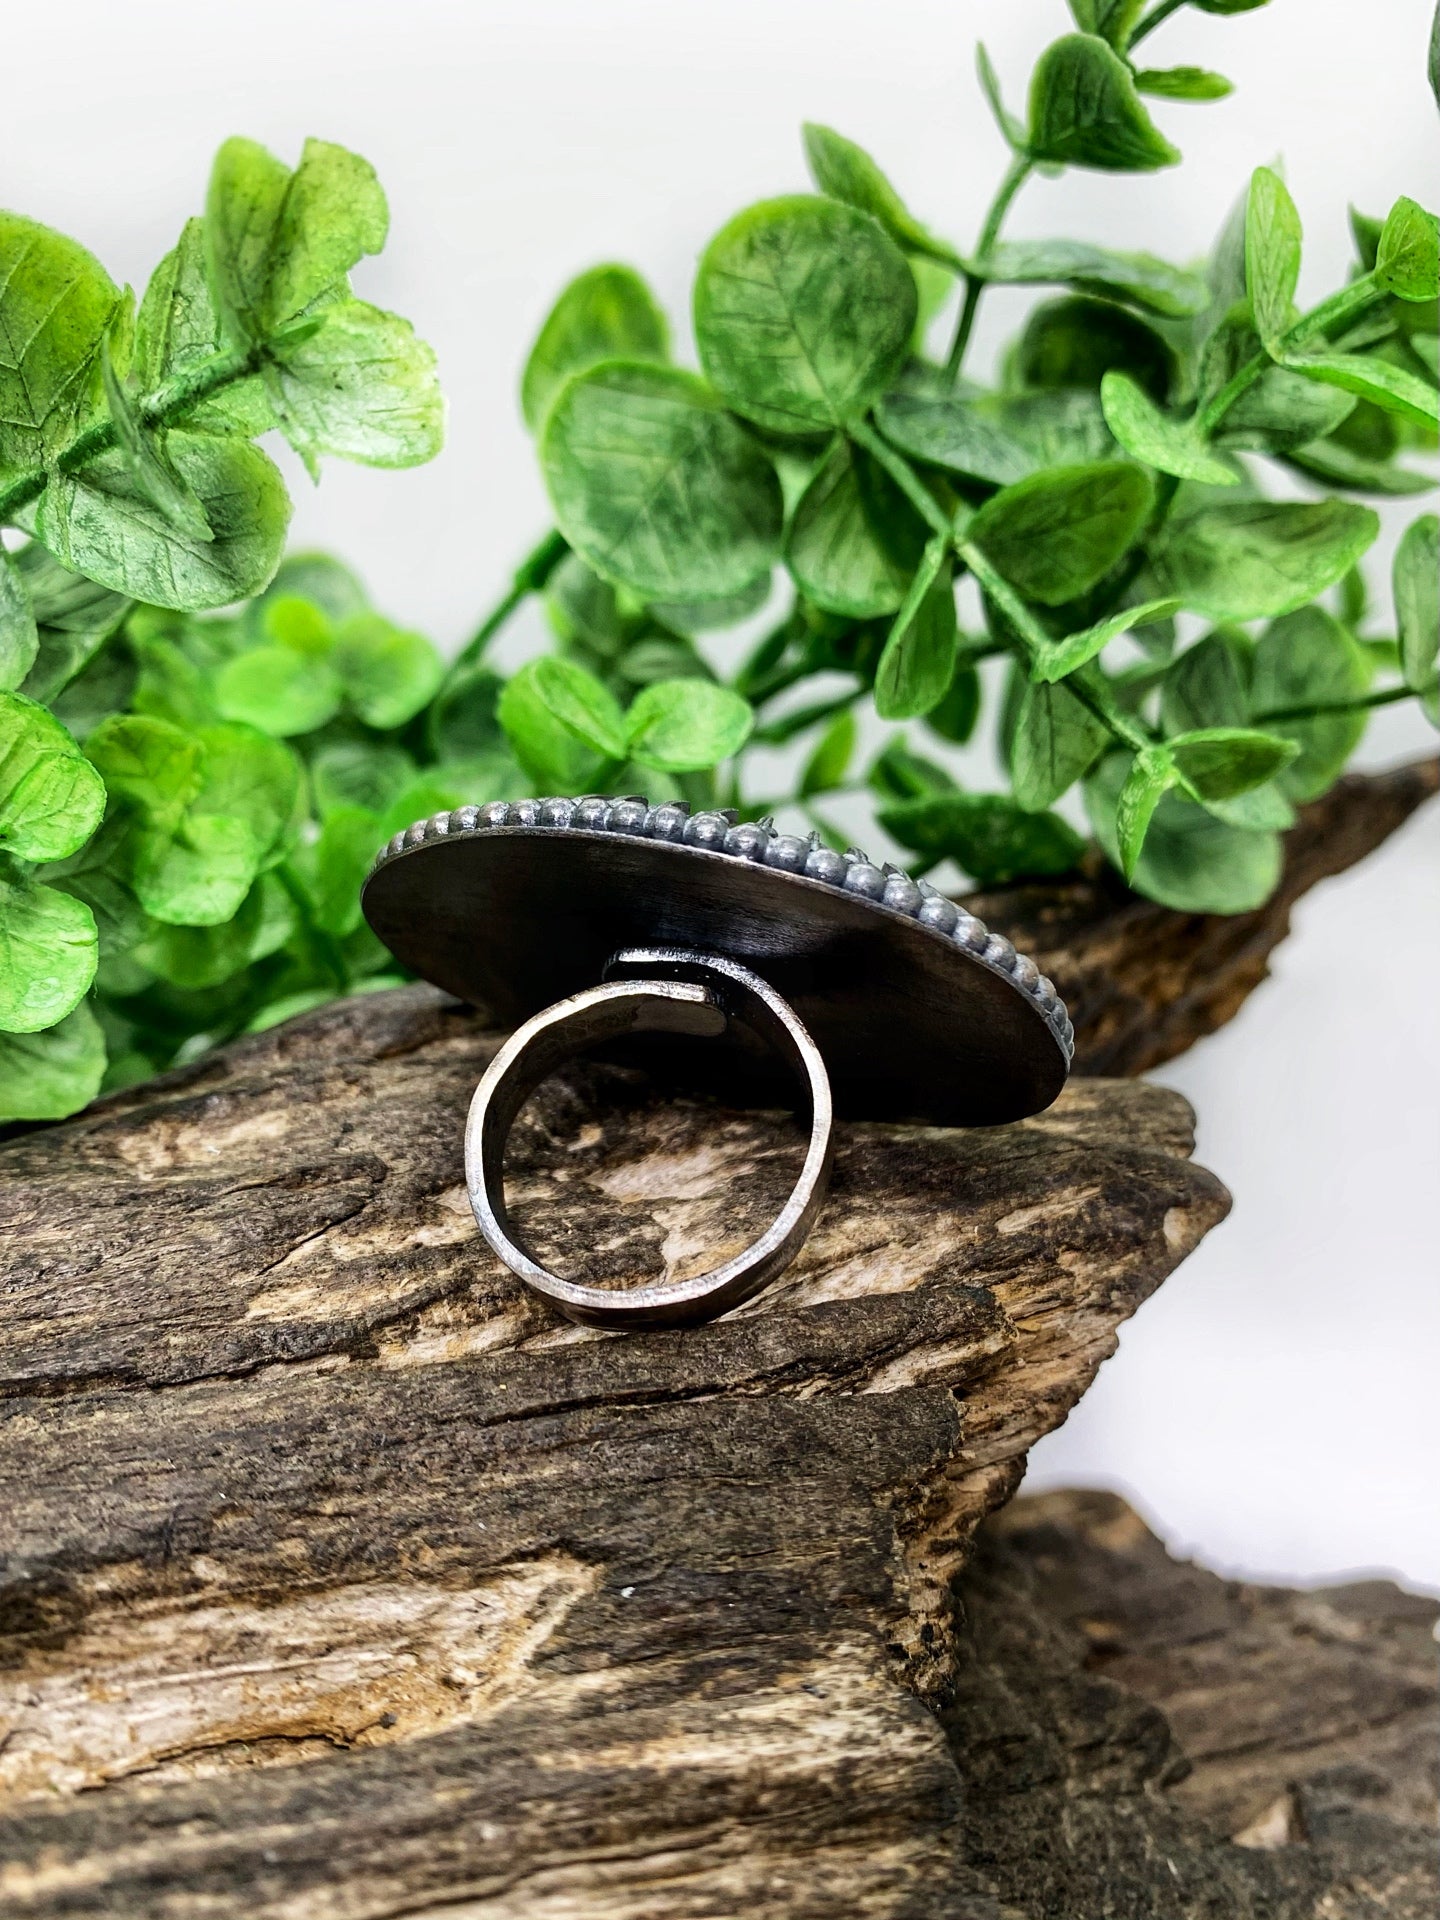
{"points": [[846, 172], [99, 874], [1076, 648], [1063, 428], [368, 775], [147, 762], [1417, 608], [1055, 535], [1137, 279], [462, 720], [1011, 127], [19, 636], [552, 755], [279, 690], [1394, 388], [1055, 743], [1228, 6], [247, 777], [803, 313], [154, 473], [1272, 255], [830, 762], [51, 797], [1407, 262], [49, 1075], [1208, 685], [1191, 861], [74, 618], [1256, 559], [657, 487], [992, 838], [388, 673], [682, 726], [362, 386], [178, 326], [953, 717], [48, 951], [948, 431], [1221, 763], [1273, 249], [56, 305], [1075, 342], [1085, 112], [1308, 659], [606, 314], [197, 875], [321, 579], [276, 240], [898, 774], [918, 663], [582, 704], [1337, 465], [705, 616], [99, 523], [1171, 446], [1183, 83], [1113, 20], [199, 957], [337, 865], [854, 541], [332, 215], [1151, 776]]}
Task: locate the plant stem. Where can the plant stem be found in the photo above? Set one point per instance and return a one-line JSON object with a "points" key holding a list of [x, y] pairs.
{"points": [[170, 400], [531, 576], [1016, 175], [1386, 698], [1353, 299], [1156, 17]]}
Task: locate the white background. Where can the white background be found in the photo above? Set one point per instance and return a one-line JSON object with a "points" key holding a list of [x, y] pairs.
{"points": [[1274, 1408]]}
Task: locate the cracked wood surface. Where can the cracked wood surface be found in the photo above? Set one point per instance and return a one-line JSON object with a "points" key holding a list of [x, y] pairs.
{"points": [[339, 1579]]}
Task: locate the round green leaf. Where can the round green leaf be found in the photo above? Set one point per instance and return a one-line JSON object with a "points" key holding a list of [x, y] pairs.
{"points": [[950, 432], [51, 797], [1055, 742], [366, 774], [582, 704], [657, 487], [248, 777], [147, 761], [1255, 559], [1308, 659], [48, 951], [551, 754], [1190, 860], [363, 386], [804, 310], [388, 674], [194, 957], [1057, 533], [1076, 341], [100, 522], [1408, 259], [197, 875], [50, 1075], [855, 540], [1085, 112], [462, 720], [279, 690], [682, 726], [992, 838], [56, 304], [606, 314]]}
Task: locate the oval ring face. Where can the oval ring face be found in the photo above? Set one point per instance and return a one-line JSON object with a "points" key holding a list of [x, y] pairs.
{"points": [[919, 1013]]}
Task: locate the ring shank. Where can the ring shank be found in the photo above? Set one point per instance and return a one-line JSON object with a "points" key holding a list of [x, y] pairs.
{"points": [[650, 990]]}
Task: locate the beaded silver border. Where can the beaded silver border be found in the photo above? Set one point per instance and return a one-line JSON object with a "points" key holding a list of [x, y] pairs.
{"points": [[722, 831]]}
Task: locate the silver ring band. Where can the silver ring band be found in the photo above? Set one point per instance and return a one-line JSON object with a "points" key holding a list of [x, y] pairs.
{"points": [[652, 989]]}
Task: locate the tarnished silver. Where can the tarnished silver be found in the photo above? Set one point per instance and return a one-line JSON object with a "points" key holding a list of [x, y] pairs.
{"points": [[650, 990]]}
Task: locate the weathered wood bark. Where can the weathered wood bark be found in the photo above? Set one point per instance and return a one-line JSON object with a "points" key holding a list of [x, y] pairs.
{"points": [[1143, 983], [338, 1580], [1136, 1736], [350, 1583]]}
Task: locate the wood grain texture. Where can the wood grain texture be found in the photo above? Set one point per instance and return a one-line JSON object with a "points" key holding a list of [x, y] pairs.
{"points": [[1136, 1736], [339, 1579]]}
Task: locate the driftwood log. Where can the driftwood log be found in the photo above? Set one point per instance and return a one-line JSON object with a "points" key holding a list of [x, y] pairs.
{"points": [[337, 1579]]}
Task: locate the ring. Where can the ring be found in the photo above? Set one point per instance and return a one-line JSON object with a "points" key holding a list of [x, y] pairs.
{"points": [[771, 964], [666, 991]]}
